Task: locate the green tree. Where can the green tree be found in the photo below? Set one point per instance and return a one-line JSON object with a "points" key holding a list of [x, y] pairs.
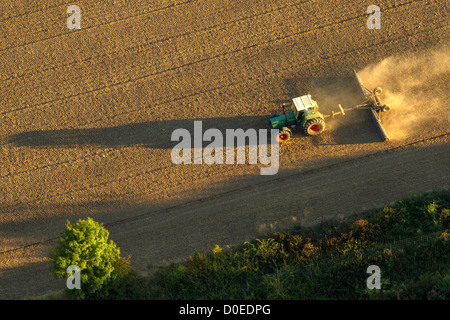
{"points": [[85, 245]]}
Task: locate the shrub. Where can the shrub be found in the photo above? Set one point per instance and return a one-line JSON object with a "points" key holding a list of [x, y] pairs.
{"points": [[86, 245]]}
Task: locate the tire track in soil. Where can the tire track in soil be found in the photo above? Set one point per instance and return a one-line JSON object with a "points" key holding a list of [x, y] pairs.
{"points": [[226, 87], [238, 208], [144, 12], [237, 190], [143, 45], [184, 230], [122, 114], [185, 236], [24, 14], [183, 66], [296, 4], [127, 176], [130, 175]]}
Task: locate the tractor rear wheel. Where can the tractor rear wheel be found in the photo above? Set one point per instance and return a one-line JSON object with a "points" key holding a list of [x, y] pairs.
{"points": [[284, 135], [314, 127]]}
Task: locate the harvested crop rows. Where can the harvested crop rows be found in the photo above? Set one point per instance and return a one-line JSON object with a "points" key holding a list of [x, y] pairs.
{"points": [[87, 116]]}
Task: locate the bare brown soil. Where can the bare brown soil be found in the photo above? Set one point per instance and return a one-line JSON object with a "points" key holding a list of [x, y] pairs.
{"points": [[86, 119]]}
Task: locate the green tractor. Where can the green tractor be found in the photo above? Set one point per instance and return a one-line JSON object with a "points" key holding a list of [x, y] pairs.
{"points": [[304, 115]]}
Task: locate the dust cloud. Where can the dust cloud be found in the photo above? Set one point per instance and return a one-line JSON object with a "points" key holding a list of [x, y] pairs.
{"points": [[416, 87]]}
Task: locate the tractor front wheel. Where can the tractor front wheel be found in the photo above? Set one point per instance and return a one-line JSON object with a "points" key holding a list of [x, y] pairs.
{"points": [[314, 127]]}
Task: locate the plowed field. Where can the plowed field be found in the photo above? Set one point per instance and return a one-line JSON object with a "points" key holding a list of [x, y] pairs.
{"points": [[86, 118]]}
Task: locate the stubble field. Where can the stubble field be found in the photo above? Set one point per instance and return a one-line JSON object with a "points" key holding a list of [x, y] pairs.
{"points": [[86, 118]]}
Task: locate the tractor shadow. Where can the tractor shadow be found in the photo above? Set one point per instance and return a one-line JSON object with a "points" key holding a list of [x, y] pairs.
{"points": [[355, 127], [151, 134]]}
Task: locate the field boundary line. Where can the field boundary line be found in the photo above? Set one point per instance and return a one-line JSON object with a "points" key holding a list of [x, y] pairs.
{"points": [[104, 24], [267, 43], [146, 44], [162, 9], [178, 99], [35, 11], [237, 190]]}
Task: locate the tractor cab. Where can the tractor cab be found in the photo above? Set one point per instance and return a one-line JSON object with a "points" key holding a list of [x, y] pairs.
{"points": [[304, 108]]}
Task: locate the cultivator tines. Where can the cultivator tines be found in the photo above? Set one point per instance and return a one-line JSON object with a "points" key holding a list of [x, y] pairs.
{"points": [[373, 103]]}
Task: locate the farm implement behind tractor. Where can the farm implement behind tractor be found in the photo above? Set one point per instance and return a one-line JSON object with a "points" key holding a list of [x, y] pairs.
{"points": [[304, 114], [373, 103]]}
